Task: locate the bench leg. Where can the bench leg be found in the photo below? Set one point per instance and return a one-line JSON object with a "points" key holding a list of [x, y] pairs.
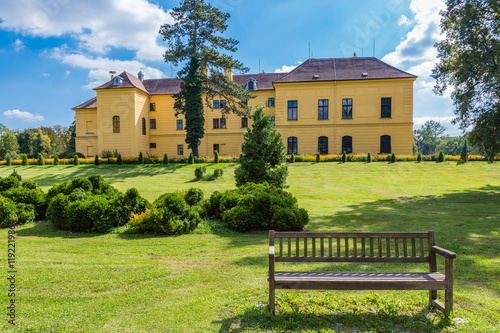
{"points": [[432, 297], [271, 297]]}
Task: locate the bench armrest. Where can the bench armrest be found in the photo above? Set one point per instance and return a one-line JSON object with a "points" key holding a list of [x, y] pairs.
{"points": [[271, 252], [445, 253]]}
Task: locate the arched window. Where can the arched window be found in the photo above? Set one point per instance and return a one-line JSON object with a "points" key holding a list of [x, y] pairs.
{"points": [[116, 124], [144, 126], [347, 144], [385, 144], [292, 145], [323, 145]]}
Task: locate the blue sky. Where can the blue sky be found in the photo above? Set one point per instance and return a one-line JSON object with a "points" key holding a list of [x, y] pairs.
{"points": [[54, 52]]}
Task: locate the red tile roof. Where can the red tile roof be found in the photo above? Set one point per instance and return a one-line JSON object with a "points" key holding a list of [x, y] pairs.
{"points": [[90, 104]]}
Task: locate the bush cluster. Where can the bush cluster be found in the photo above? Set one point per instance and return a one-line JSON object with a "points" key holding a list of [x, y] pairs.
{"points": [[171, 214], [257, 207], [20, 203]]}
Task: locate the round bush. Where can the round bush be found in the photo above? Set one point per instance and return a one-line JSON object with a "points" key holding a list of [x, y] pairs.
{"points": [[193, 196], [34, 197], [30, 184], [218, 173], [199, 172], [9, 182], [8, 212]]}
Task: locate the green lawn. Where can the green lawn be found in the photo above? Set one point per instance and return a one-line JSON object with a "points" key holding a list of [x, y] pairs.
{"points": [[214, 280]]}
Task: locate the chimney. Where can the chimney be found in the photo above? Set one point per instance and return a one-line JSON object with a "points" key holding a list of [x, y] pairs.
{"points": [[140, 76], [228, 72], [112, 74], [354, 56]]}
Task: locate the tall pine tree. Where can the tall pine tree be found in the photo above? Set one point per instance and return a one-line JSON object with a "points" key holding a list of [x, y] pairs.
{"points": [[194, 39]]}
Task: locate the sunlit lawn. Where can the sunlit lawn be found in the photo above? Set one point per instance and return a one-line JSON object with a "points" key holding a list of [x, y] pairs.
{"points": [[214, 280]]}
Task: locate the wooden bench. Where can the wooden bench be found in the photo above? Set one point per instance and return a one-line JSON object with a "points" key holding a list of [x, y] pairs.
{"points": [[361, 247]]}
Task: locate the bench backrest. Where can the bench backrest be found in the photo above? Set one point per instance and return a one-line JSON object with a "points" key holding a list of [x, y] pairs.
{"points": [[352, 246]]}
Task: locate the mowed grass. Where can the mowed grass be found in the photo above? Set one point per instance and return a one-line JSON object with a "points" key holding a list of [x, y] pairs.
{"points": [[215, 280]]}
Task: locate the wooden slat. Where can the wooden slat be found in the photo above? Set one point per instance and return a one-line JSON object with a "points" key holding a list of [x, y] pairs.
{"points": [[396, 246], [347, 247], [352, 259], [289, 246], [363, 250], [380, 247], [322, 246], [338, 247], [305, 247], [421, 247], [355, 246], [371, 248], [330, 254], [314, 247], [413, 248], [281, 247], [405, 247], [286, 234], [388, 247], [297, 247]]}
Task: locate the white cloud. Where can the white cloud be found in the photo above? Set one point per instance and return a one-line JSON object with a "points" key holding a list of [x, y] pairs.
{"points": [[403, 20], [97, 25], [23, 116], [18, 45], [287, 69], [99, 67]]}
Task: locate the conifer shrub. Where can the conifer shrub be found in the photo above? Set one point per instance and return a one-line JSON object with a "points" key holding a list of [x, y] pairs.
{"points": [[393, 158], [165, 159], [15, 174], [24, 159], [344, 157], [8, 160], [12, 213], [76, 161], [440, 157], [419, 157], [465, 154], [216, 157], [368, 158], [292, 158], [218, 173], [96, 160], [9, 182], [56, 160], [119, 159], [193, 196], [34, 197], [257, 207], [40, 160], [199, 172], [318, 158], [191, 159], [140, 160], [30, 184]]}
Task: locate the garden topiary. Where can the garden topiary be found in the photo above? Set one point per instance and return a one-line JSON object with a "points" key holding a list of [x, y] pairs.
{"points": [[9, 182], [191, 159], [419, 157], [165, 159], [393, 158], [440, 157], [368, 158], [12, 213], [40, 160], [8, 160], [140, 160], [218, 173], [199, 172], [76, 161], [344, 157], [34, 197], [292, 158], [15, 174], [119, 159], [56, 160], [96, 160], [464, 155], [318, 158], [24, 159], [30, 184], [193, 196], [216, 156]]}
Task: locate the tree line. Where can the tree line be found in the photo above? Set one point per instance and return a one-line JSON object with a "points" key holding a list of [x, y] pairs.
{"points": [[48, 141]]}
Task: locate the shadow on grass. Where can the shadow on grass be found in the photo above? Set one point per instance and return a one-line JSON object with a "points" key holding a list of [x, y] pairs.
{"points": [[389, 320]]}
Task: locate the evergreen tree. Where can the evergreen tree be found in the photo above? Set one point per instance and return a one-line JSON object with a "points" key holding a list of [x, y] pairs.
{"points": [[191, 159], [140, 159], [292, 158], [8, 160], [24, 159], [56, 160], [369, 158], [71, 147], [318, 158], [440, 157], [165, 159], [76, 161], [263, 153], [344, 157], [96, 160], [393, 158], [40, 160], [119, 159], [465, 154], [216, 157], [419, 158], [194, 39]]}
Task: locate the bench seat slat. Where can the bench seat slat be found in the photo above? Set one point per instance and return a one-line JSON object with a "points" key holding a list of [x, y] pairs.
{"points": [[351, 259]]}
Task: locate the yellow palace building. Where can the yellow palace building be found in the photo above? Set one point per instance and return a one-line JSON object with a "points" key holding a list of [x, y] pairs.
{"points": [[357, 105]]}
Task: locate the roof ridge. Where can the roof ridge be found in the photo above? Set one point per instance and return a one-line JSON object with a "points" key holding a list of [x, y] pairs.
{"points": [[293, 70]]}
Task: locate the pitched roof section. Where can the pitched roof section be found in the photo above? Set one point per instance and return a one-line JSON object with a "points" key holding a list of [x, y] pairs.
{"points": [[129, 81], [90, 104], [343, 69], [264, 80], [163, 86]]}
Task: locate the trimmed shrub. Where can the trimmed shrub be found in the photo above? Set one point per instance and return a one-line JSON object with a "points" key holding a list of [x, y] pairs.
{"points": [[393, 158], [24, 159], [9, 182], [96, 160], [140, 160], [318, 158], [56, 160], [30, 184], [292, 158], [216, 157], [257, 207], [76, 161], [165, 159], [218, 173], [440, 157], [119, 159], [199, 172], [8, 160], [82, 183], [465, 154], [344, 157], [191, 159], [12, 213], [419, 158], [369, 158], [15, 174], [34, 197], [40, 160], [193, 196]]}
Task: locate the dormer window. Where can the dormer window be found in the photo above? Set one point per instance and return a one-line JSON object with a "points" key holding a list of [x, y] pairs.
{"points": [[117, 80], [251, 84]]}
